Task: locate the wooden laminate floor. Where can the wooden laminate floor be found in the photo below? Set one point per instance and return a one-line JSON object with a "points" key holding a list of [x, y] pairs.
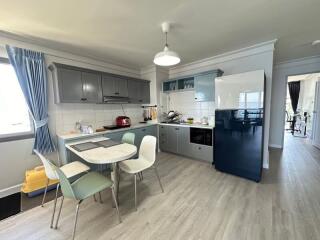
{"points": [[198, 203]]}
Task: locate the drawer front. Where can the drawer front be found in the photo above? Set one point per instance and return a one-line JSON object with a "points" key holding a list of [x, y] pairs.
{"points": [[202, 152], [163, 138]]}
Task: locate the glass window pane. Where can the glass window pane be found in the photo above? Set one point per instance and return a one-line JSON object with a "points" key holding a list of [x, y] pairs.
{"points": [[14, 112]]}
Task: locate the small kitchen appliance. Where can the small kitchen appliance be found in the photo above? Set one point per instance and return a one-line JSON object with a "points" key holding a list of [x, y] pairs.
{"points": [[123, 121]]}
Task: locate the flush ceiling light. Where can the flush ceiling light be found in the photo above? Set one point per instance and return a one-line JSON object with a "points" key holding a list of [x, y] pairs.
{"points": [[315, 43], [166, 57]]}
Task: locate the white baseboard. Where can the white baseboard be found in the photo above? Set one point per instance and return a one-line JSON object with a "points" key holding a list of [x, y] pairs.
{"points": [[10, 190], [275, 146]]}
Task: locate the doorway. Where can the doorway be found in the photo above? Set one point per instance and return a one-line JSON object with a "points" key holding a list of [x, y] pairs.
{"points": [[301, 104]]}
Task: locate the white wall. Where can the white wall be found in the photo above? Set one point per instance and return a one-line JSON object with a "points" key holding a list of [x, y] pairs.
{"points": [[156, 75], [257, 57], [184, 103], [281, 72], [16, 156]]}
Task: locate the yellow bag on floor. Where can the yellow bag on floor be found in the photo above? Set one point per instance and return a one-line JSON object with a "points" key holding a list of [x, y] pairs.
{"points": [[36, 180]]}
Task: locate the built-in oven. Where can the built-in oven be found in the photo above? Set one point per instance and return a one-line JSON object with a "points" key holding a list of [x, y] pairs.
{"points": [[201, 136]]}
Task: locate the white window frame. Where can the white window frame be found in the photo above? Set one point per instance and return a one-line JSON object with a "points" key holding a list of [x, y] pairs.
{"points": [[18, 135], [245, 98]]}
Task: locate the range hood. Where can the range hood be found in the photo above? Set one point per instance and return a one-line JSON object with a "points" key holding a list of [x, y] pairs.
{"points": [[114, 99]]}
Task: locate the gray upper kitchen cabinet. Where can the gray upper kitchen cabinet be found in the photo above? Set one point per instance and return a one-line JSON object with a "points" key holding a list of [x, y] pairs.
{"points": [[145, 92], [114, 86], [70, 85], [75, 86], [91, 87], [79, 85], [204, 87], [139, 91]]}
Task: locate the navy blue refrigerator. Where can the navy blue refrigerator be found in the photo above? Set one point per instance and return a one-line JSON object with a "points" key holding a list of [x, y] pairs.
{"points": [[239, 124]]}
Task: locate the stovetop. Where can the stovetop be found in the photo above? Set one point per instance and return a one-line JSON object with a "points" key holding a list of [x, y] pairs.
{"points": [[113, 127]]}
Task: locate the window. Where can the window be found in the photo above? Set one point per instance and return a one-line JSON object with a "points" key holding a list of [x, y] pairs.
{"points": [[251, 100], [15, 119]]}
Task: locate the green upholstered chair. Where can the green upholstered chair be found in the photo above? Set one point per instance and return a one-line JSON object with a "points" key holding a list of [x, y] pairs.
{"points": [[86, 186], [128, 138]]}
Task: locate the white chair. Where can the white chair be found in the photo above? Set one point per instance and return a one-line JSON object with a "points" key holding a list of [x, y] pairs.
{"points": [[146, 159], [70, 170]]}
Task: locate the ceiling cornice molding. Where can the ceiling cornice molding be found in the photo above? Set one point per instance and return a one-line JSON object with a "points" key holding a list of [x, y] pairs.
{"points": [[148, 69], [20, 41], [298, 62], [153, 68], [263, 47]]}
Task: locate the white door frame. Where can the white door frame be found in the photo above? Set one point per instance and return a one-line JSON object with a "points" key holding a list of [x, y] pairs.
{"points": [[316, 117], [285, 99]]}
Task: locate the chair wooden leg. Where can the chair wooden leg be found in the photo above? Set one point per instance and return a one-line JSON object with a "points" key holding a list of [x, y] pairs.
{"points": [[54, 206], [100, 198], [94, 197], [156, 171], [135, 191], [116, 203], [59, 213], [45, 193], [76, 220]]}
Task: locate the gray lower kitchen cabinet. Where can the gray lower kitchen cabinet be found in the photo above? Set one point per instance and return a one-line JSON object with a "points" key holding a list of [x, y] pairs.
{"points": [[172, 139], [139, 134], [116, 136], [201, 152], [139, 91], [114, 86], [91, 87], [184, 141], [176, 139], [163, 137]]}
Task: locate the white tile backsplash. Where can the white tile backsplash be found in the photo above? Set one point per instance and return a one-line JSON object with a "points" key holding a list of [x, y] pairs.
{"points": [[64, 116], [185, 103]]}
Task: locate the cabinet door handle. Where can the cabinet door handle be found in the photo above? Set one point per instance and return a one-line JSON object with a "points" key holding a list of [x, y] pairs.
{"points": [[199, 148], [83, 99], [116, 93], [144, 130]]}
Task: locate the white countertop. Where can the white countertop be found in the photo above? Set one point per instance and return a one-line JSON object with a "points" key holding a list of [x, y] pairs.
{"points": [[195, 125], [73, 136]]}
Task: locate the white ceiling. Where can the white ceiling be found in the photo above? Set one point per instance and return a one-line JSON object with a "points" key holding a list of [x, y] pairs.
{"points": [[304, 77], [128, 32]]}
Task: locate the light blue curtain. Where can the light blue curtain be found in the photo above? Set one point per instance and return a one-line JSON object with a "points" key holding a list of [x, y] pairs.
{"points": [[32, 76]]}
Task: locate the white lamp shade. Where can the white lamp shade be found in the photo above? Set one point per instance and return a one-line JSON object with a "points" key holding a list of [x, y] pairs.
{"points": [[166, 58]]}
